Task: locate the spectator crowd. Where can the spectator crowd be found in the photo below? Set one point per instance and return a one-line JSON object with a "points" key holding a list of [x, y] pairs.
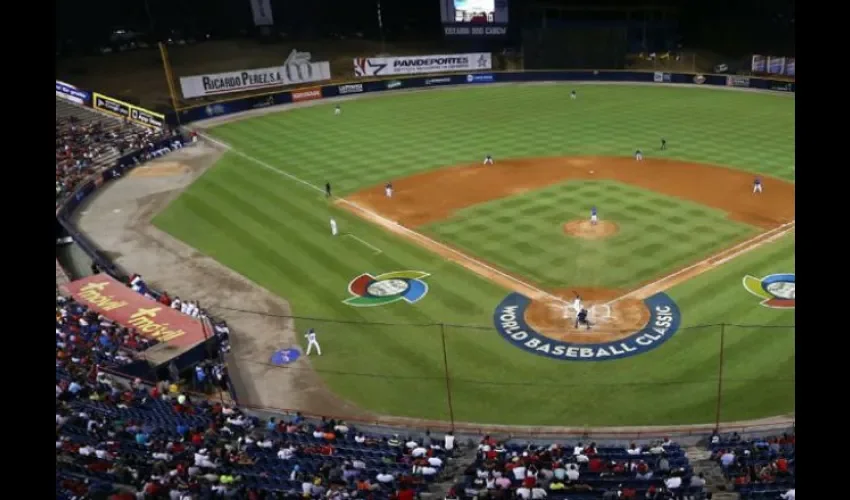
{"points": [[761, 467], [582, 471], [87, 142]]}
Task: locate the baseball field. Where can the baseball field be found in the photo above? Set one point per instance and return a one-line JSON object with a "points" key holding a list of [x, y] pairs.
{"points": [[471, 270]]}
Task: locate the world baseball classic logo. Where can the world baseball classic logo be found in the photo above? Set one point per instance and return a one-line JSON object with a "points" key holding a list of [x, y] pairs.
{"points": [[776, 290], [371, 291]]}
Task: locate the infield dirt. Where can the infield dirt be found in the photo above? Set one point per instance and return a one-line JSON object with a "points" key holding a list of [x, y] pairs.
{"points": [[434, 196]]}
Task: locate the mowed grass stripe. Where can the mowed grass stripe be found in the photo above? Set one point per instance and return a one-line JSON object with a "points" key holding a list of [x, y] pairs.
{"points": [[524, 234], [544, 123]]}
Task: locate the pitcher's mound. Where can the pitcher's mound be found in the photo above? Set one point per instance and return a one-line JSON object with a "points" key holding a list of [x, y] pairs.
{"points": [[584, 229]]}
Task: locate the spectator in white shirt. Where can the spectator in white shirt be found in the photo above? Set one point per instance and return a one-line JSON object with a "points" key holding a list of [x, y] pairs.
{"points": [[727, 459], [788, 495], [435, 462], [411, 444], [523, 492], [519, 473], [633, 450], [449, 441], [698, 481], [286, 453], [419, 451], [673, 483], [572, 472], [578, 449], [538, 493], [384, 477]]}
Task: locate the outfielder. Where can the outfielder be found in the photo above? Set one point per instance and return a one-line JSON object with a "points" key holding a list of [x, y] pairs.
{"points": [[757, 187], [638, 155], [337, 110], [663, 144], [573, 94], [388, 190], [333, 227], [593, 217], [327, 190], [488, 160], [312, 342]]}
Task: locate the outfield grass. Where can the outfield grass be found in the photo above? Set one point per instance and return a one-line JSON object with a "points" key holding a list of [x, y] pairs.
{"points": [[275, 232], [523, 234]]}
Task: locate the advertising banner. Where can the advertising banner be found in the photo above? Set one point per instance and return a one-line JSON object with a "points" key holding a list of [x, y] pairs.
{"points": [[659, 77], [71, 93], [122, 109], [355, 88], [297, 69], [737, 81], [479, 78], [307, 95], [388, 66], [438, 81], [759, 64], [394, 84], [109, 297]]}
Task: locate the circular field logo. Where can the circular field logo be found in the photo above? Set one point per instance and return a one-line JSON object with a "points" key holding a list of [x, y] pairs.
{"points": [[660, 321], [371, 291], [777, 291]]}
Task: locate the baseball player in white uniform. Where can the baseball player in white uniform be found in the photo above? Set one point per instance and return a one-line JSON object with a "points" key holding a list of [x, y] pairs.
{"points": [[594, 218], [638, 155], [388, 190], [337, 110], [757, 187], [573, 94], [312, 342], [333, 227], [576, 305], [488, 160]]}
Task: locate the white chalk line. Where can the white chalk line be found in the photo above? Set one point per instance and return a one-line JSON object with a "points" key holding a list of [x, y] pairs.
{"points": [[373, 247], [386, 221], [736, 251]]}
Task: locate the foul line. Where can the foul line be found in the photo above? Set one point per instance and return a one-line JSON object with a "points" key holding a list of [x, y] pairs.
{"points": [[373, 247], [727, 254], [377, 216]]}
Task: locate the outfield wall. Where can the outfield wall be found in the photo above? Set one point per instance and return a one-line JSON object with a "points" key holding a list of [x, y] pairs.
{"points": [[238, 105]]}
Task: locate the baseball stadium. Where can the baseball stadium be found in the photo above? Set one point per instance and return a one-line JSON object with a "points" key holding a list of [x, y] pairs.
{"points": [[420, 266]]}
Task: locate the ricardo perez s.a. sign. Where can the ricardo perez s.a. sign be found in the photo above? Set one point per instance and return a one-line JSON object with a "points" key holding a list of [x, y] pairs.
{"points": [[297, 69]]}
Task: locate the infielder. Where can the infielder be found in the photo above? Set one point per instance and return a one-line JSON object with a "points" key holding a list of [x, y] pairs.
{"points": [[312, 342], [593, 217], [337, 110], [488, 160], [388, 190], [573, 94], [334, 230], [638, 155], [757, 187]]}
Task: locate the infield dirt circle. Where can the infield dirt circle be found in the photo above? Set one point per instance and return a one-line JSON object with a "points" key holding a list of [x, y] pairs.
{"points": [[587, 230], [437, 195]]}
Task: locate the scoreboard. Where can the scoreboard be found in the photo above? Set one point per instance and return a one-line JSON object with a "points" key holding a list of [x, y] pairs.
{"points": [[474, 18]]}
